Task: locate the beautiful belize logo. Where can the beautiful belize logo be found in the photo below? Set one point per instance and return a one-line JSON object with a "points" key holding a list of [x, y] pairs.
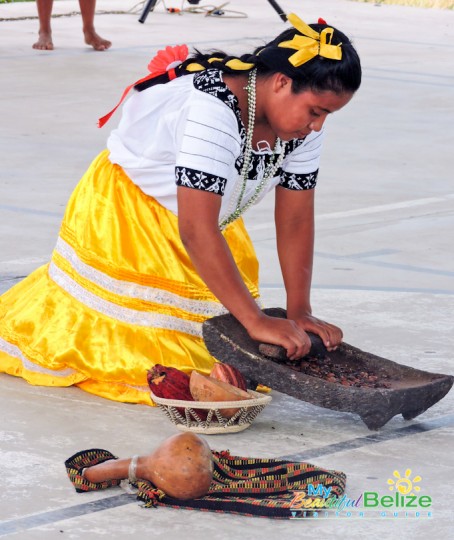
{"points": [[403, 497], [404, 502]]}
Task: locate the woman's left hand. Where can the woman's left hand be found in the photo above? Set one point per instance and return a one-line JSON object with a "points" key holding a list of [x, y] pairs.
{"points": [[330, 334]]}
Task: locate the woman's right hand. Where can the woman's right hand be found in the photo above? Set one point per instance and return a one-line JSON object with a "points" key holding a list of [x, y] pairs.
{"points": [[283, 332]]}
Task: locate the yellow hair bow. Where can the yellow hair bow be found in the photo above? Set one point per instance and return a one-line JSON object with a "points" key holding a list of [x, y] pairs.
{"points": [[311, 43]]}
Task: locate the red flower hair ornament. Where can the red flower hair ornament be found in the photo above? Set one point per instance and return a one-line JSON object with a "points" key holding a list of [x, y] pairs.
{"points": [[168, 59], [165, 61]]}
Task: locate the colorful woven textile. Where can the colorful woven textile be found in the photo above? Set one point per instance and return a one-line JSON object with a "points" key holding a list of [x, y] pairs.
{"points": [[248, 486], [88, 458]]}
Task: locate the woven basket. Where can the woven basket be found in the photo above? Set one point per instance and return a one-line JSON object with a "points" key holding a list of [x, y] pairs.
{"points": [[184, 413]]}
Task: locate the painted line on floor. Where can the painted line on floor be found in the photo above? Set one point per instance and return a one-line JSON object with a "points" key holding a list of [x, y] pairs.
{"points": [[21, 262], [374, 438], [405, 72], [54, 516], [418, 290], [31, 211], [149, 49], [413, 82], [8, 282], [395, 266], [263, 226], [364, 211]]}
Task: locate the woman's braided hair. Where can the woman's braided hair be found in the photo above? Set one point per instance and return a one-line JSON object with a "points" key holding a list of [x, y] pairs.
{"points": [[318, 74]]}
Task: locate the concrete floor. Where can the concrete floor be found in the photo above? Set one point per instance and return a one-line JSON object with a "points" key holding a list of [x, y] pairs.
{"points": [[384, 265]]}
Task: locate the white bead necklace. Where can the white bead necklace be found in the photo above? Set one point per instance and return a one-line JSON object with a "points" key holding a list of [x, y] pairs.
{"points": [[236, 210]]}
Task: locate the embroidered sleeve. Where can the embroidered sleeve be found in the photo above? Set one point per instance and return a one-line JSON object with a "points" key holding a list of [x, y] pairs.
{"points": [[301, 165], [199, 180], [209, 145], [298, 181]]}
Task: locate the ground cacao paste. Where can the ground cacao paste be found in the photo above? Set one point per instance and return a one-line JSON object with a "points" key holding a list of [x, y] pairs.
{"points": [[346, 375]]}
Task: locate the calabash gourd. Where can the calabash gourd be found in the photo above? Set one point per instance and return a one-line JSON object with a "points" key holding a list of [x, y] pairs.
{"points": [[181, 466]]}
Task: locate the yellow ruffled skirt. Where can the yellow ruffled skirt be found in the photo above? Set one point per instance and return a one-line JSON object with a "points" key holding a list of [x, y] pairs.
{"points": [[119, 295]]}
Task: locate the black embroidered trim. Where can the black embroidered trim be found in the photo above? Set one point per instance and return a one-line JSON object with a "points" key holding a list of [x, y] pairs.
{"points": [[293, 145], [199, 180], [298, 182], [210, 81]]}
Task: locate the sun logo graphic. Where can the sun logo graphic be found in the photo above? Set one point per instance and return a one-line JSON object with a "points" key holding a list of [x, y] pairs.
{"points": [[406, 493], [404, 484]]}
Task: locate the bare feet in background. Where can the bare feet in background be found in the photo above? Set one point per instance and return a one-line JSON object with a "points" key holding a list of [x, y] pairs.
{"points": [[97, 42], [44, 42], [87, 10]]}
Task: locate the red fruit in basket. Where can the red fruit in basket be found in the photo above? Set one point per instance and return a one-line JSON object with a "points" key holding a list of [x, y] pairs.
{"points": [[229, 374], [169, 383]]}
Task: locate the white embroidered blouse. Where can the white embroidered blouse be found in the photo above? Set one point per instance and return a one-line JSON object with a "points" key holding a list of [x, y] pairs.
{"points": [[189, 132]]}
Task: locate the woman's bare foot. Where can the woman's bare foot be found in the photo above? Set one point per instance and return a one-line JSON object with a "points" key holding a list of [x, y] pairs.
{"points": [[44, 42], [96, 41]]}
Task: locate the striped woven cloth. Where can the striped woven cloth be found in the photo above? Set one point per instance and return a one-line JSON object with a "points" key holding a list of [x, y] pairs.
{"points": [[241, 485]]}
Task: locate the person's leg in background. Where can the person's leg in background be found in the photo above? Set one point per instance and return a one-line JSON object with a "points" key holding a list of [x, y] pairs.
{"points": [[87, 9], [45, 32]]}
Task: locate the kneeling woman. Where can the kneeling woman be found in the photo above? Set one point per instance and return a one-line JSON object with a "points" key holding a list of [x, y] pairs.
{"points": [[153, 243]]}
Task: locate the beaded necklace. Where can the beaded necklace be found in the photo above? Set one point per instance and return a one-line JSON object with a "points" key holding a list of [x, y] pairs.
{"points": [[236, 210]]}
